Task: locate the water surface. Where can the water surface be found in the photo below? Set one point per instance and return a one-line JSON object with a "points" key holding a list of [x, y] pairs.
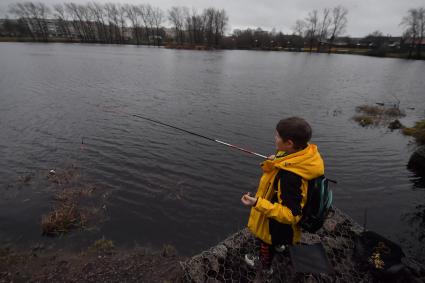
{"points": [[172, 188]]}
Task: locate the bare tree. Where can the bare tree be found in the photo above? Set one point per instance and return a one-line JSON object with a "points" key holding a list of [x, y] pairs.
{"points": [[145, 12], [208, 17], [88, 23], [189, 27], [414, 24], [42, 12], [421, 19], [338, 24], [20, 11], [410, 21], [176, 16], [312, 21], [112, 12], [195, 25], [157, 16], [133, 14], [35, 16], [77, 21], [220, 22], [122, 21], [324, 26], [98, 12], [62, 18], [299, 28]]}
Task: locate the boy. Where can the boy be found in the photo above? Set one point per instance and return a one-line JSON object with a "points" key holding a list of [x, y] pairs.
{"points": [[282, 191]]}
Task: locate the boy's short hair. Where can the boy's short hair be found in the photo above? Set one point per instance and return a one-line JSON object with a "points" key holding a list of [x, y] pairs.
{"points": [[295, 129]]}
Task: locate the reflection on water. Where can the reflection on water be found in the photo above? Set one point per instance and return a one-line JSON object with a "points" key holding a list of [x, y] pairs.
{"points": [[168, 187]]}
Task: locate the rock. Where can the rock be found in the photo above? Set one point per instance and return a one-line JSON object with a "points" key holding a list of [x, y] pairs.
{"points": [[219, 251], [395, 125], [417, 161], [309, 239], [329, 225], [224, 262]]}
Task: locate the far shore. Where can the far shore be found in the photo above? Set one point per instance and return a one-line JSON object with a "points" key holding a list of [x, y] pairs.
{"points": [[334, 50]]}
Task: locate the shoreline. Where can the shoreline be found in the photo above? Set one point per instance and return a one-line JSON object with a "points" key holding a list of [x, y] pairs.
{"points": [[93, 264], [101, 262], [349, 51]]}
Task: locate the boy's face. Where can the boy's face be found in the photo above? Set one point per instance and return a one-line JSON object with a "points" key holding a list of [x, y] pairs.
{"points": [[287, 146]]}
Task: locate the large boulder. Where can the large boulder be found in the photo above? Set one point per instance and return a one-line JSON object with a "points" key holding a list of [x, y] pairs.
{"points": [[417, 161]]}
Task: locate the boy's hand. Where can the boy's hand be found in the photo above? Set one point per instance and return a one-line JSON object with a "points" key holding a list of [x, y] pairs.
{"points": [[271, 157], [248, 200]]}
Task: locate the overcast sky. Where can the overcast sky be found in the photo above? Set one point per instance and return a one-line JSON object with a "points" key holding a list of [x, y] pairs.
{"points": [[364, 16]]}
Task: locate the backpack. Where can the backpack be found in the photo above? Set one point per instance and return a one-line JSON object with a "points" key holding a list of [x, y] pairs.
{"points": [[318, 204]]}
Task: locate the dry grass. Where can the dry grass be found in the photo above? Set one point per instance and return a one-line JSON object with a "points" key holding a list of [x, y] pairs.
{"points": [[394, 112], [417, 131], [69, 195], [364, 120], [69, 212], [168, 251], [101, 246], [62, 219], [371, 110], [375, 115]]}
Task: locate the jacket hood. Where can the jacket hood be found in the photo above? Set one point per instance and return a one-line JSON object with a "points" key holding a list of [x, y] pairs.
{"points": [[306, 163]]}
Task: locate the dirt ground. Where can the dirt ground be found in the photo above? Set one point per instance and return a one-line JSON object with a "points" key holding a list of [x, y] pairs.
{"points": [[96, 264]]}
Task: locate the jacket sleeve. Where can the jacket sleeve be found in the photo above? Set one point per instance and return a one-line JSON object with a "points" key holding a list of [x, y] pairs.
{"points": [[289, 212]]}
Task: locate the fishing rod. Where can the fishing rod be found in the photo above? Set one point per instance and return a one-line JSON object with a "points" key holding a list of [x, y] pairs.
{"points": [[201, 136]]}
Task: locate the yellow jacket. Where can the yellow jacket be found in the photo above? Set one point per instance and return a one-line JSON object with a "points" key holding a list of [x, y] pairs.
{"points": [[307, 164]]}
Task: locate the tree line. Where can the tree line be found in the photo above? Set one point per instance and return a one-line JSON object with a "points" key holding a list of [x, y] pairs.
{"points": [[198, 28], [321, 27], [144, 24], [118, 23]]}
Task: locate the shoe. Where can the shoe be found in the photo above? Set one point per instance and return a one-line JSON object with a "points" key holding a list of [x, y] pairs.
{"points": [[267, 272], [280, 248], [252, 260]]}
